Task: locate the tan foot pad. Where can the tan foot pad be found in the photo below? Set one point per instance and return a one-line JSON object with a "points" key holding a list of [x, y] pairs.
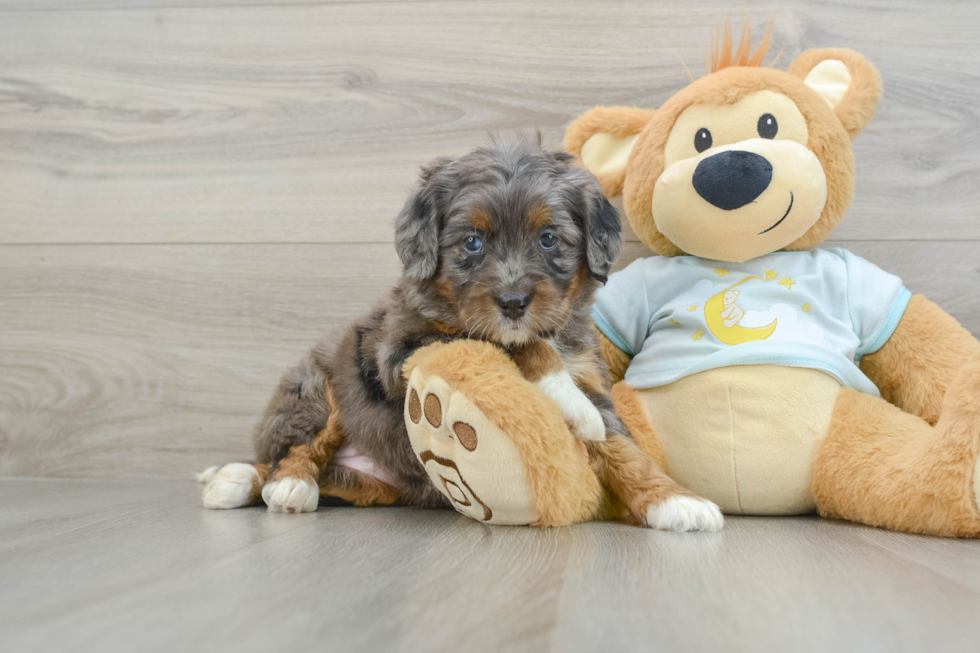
{"points": [[469, 459]]}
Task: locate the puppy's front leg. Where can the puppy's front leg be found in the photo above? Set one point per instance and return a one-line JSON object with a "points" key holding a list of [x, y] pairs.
{"points": [[293, 484], [541, 364]]}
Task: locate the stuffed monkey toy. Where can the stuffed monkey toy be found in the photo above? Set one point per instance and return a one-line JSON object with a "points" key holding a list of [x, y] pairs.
{"points": [[775, 378]]}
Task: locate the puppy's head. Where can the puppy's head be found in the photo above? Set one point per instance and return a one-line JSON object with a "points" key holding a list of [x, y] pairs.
{"points": [[512, 239]]}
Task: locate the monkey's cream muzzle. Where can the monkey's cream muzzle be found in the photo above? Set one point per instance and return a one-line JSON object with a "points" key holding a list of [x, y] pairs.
{"points": [[742, 200]]}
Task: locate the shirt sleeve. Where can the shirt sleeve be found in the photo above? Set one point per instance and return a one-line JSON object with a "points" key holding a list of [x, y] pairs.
{"points": [[876, 301], [621, 310]]}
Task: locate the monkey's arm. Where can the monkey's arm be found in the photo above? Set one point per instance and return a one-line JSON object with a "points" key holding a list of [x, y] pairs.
{"points": [[913, 369]]}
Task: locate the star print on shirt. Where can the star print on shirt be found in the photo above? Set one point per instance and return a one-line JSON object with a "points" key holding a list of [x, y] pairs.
{"points": [[806, 307], [786, 281], [697, 335], [771, 274], [721, 272], [691, 309]]}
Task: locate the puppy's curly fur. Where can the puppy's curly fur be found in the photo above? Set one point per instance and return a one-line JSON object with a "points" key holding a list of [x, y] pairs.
{"points": [[507, 244]]}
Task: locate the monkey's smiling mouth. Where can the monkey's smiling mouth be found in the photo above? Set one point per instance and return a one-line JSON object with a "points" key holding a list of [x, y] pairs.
{"points": [[788, 209]]}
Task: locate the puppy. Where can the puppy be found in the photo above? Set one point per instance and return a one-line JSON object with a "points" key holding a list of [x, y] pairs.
{"points": [[505, 244]]}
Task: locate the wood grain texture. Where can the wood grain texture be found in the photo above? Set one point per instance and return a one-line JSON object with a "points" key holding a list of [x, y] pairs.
{"points": [[101, 5], [135, 361], [129, 361], [306, 122], [115, 566], [192, 193]]}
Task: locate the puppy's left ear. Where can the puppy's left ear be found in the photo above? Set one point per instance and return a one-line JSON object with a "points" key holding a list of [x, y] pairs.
{"points": [[847, 81], [417, 225], [603, 232]]}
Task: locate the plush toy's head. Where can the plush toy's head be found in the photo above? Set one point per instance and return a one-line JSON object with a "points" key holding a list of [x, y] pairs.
{"points": [[744, 161]]}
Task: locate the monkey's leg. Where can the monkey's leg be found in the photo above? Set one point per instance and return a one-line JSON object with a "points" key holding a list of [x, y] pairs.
{"points": [[882, 466]]}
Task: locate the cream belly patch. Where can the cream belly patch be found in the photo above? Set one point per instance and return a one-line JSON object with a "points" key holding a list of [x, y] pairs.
{"points": [[745, 437]]}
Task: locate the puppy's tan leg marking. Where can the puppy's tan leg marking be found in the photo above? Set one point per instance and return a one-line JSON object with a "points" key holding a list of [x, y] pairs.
{"points": [[293, 486], [651, 497], [363, 493], [537, 360], [541, 364], [234, 486]]}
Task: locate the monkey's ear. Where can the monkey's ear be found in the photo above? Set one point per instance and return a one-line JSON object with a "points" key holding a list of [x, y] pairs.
{"points": [[603, 139], [417, 225], [848, 82]]}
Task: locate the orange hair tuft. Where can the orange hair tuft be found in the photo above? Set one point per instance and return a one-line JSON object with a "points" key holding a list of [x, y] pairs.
{"points": [[721, 48]]}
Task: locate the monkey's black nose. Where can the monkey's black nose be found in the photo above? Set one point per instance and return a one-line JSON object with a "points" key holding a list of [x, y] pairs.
{"points": [[730, 180], [513, 304]]}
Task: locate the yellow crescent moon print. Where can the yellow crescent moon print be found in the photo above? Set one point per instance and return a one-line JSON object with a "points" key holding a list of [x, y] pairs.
{"points": [[733, 335]]}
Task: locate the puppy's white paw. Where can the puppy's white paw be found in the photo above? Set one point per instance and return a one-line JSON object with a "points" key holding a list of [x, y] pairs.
{"points": [[207, 474], [583, 417], [685, 514], [229, 486], [291, 495]]}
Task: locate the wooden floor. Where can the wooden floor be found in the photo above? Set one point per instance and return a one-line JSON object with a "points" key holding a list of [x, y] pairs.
{"points": [[140, 566]]}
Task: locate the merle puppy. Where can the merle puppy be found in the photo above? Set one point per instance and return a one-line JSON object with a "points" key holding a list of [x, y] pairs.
{"points": [[505, 244]]}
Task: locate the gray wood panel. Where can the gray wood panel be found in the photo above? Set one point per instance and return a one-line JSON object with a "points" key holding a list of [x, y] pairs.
{"points": [[306, 122], [121, 566], [135, 361], [126, 5], [176, 179], [132, 361]]}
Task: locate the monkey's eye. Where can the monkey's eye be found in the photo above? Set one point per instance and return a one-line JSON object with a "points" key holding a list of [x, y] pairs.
{"points": [[767, 126], [548, 240], [702, 140], [473, 245]]}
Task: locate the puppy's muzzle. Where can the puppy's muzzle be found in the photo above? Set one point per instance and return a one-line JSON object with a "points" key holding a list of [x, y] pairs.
{"points": [[732, 179], [513, 305]]}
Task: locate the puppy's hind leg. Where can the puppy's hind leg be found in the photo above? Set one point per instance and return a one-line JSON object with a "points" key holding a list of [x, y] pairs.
{"points": [[357, 489], [233, 486]]}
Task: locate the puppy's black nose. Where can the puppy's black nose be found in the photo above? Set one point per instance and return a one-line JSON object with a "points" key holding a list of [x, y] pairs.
{"points": [[513, 304], [730, 180]]}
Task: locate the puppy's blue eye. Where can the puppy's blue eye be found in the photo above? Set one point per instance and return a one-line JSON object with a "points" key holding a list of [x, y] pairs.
{"points": [[473, 245], [548, 240]]}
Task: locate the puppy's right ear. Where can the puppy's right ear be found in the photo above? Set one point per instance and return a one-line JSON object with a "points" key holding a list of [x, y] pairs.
{"points": [[417, 225], [603, 139]]}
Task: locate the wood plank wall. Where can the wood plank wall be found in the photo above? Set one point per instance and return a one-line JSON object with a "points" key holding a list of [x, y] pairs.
{"points": [[191, 193]]}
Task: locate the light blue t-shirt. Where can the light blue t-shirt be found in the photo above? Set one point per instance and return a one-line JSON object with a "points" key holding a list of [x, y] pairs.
{"points": [[821, 309]]}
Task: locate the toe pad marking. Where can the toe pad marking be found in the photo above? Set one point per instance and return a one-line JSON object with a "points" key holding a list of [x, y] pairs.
{"points": [[433, 410]]}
